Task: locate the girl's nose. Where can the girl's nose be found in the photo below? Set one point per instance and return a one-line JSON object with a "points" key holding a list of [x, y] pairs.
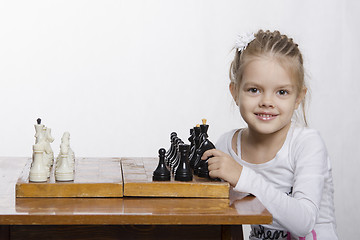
{"points": [[266, 102]]}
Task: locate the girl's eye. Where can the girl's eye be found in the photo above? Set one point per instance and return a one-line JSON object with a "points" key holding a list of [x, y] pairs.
{"points": [[283, 92], [253, 90]]}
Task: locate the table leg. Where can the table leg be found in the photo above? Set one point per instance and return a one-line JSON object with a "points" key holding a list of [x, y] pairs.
{"points": [[4, 232], [232, 232]]}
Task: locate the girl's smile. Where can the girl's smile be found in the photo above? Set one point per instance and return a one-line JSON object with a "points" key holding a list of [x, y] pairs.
{"points": [[265, 116]]}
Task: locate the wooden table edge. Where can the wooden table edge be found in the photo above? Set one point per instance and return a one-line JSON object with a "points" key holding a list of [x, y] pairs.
{"points": [[98, 219]]}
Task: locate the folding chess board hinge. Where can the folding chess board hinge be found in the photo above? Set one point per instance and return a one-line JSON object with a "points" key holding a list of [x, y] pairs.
{"points": [[122, 175]]}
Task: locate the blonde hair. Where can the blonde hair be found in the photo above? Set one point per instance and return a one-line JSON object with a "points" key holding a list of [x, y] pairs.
{"points": [[271, 45]]}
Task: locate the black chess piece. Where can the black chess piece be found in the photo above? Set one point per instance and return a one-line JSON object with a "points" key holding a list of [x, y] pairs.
{"points": [[192, 138], [168, 152], [197, 160], [174, 164], [169, 159], [161, 173], [203, 169], [183, 171], [172, 148], [38, 121], [203, 132], [205, 145], [197, 142]]}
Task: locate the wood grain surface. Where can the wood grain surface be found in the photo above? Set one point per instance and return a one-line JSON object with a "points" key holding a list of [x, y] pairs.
{"points": [[138, 172], [94, 177]]}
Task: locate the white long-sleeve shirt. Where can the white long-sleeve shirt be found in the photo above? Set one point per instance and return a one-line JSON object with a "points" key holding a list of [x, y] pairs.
{"points": [[296, 186]]}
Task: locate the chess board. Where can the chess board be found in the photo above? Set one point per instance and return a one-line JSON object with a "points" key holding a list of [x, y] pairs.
{"points": [[118, 177], [94, 177], [137, 176]]}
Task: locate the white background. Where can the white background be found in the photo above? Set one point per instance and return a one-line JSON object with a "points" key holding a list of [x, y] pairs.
{"points": [[120, 76]]}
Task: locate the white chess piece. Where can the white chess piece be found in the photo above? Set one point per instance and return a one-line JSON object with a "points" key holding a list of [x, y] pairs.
{"points": [[38, 132], [44, 140], [65, 140], [63, 149], [38, 172], [64, 143], [58, 159], [64, 172], [72, 158], [49, 152]]}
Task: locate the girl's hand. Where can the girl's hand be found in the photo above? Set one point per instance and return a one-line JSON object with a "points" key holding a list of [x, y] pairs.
{"points": [[222, 165]]}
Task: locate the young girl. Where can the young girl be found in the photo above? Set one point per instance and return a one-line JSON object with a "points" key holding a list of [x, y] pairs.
{"points": [[286, 166]]}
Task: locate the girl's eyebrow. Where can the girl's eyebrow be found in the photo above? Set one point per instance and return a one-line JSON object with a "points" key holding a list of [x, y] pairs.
{"points": [[286, 86], [251, 84]]}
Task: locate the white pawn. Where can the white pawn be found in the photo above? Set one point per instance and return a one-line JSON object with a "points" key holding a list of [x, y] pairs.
{"points": [[38, 172], [64, 172]]}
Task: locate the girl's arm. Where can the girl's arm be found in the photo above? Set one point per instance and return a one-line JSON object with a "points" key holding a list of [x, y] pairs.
{"points": [[296, 213]]}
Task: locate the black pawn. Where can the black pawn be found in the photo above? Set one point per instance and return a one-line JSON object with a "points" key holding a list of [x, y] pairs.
{"points": [[38, 121], [161, 173], [183, 171]]}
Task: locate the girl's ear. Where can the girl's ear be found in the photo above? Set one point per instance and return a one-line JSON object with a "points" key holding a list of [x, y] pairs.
{"points": [[234, 92], [300, 97]]}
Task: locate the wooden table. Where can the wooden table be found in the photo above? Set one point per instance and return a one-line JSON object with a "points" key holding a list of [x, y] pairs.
{"points": [[121, 218]]}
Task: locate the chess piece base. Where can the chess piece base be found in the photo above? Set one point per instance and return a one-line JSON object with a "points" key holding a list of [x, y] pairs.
{"points": [[161, 178], [38, 177], [204, 174], [64, 177], [183, 178]]}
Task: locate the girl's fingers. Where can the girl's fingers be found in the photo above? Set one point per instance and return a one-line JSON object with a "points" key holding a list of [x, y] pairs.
{"points": [[211, 153], [214, 174], [207, 154], [213, 163], [215, 160], [222, 165]]}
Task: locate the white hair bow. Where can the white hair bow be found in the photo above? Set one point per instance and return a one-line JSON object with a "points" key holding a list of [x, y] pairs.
{"points": [[243, 41]]}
